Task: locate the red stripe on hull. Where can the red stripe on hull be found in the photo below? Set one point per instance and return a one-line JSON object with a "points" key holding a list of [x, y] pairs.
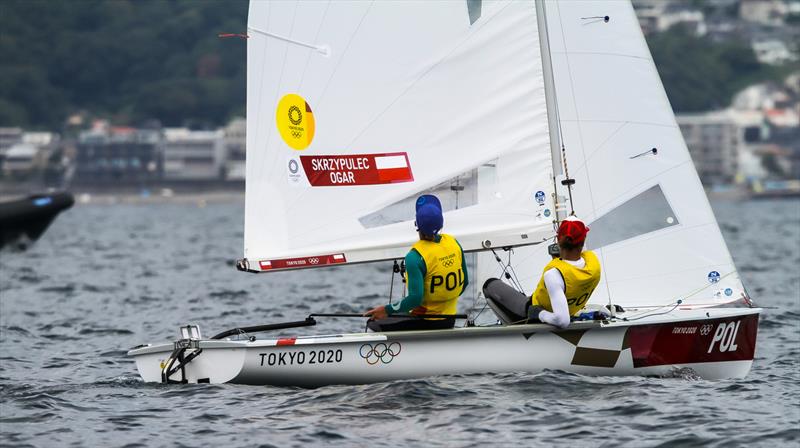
{"points": [[728, 339], [286, 341]]}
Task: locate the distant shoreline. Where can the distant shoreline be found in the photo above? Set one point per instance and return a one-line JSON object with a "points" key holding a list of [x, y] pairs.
{"points": [[210, 195], [126, 196], [177, 192], [199, 198]]}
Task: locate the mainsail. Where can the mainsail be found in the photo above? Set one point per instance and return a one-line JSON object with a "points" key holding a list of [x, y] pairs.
{"points": [[355, 108], [635, 184]]}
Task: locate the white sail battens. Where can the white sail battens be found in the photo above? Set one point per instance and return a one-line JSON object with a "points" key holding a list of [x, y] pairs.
{"points": [[651, 223], [413, 98], [324, 50]]}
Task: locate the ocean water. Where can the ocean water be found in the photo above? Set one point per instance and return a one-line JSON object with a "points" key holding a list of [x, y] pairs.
{"points": [[107, 277]]}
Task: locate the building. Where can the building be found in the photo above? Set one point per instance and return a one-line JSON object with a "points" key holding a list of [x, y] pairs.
{"points": [[763, 12], [120, 156], [21, 160], [772, 52], [193, 155], [235, 149], [47, 142], [717, 140], [8, 138], [656, 16], [27, 152]]}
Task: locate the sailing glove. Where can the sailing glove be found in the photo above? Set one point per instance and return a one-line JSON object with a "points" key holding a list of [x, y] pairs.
{"points": [[533, 313]]}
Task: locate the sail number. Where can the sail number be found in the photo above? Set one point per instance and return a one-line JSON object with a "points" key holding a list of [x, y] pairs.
{"points": [[725, 335], [300, 358]]}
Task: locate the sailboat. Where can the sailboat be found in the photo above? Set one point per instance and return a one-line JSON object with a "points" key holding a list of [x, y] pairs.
{"points": [[515, 114]]}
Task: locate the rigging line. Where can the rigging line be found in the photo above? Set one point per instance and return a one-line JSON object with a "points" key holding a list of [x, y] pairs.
{"points": [[643, 315], [505, 267], [709, 284], [475, 306], [608, 287], [485, 305], [679, 301], [431, 68], [322, 49], [513, 272]]}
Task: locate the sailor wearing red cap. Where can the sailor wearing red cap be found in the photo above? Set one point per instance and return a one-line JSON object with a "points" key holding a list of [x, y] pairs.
{"points": [[567, 281], [436, 275]]}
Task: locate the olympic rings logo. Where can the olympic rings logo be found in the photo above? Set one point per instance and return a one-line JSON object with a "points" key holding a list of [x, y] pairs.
{"points": [[448, 263], [296, 134], [706, 329], [313, 260], [380, 352]]}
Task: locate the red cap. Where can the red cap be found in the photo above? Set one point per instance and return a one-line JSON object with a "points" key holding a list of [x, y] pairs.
{"points": [[573, 230]]}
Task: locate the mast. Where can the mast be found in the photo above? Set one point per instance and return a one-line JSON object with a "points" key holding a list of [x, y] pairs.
{"points": [[552, 109]]}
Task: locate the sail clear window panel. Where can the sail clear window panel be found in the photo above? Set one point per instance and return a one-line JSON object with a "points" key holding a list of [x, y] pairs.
{"points": [[474, 8], [455, 193], [646, 212]]}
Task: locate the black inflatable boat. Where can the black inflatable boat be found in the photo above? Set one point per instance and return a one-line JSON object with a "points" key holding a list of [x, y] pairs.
{"points": [[23, 220]]}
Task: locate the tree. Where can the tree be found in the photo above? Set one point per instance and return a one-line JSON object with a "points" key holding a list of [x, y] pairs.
{"points": [[133, 60]]}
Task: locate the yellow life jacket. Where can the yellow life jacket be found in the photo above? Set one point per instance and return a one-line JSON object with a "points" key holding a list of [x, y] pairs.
{"points": [[444, 276], [579, 282]]}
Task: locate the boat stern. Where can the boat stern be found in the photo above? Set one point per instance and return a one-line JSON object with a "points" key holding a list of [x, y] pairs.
{"points": [[190, 359], [715, 347]]}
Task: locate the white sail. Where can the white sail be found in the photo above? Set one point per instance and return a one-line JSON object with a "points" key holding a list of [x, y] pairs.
{"points": [[355, 108], [651, 223]]}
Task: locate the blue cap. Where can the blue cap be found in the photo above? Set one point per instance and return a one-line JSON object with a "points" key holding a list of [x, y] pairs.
{"points": [[429, 199], [429, 215]]}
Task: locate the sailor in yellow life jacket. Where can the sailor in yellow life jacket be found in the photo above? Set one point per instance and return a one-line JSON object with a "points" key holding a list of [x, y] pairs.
{"points": [[436, 275], [566, 284]]}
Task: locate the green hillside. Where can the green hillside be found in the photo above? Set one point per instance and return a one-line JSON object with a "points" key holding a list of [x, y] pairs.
{"points": [[130, 60], [134, 60]]}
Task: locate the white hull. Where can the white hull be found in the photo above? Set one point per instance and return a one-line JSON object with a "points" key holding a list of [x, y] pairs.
{"points": [[720, 345]]}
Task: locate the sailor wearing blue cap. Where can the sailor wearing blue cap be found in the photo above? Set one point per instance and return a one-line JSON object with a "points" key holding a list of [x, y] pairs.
{"points": [[436, 275]]}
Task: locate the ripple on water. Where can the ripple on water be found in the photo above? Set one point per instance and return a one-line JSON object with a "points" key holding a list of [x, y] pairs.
{"points": [[65, 327]]}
